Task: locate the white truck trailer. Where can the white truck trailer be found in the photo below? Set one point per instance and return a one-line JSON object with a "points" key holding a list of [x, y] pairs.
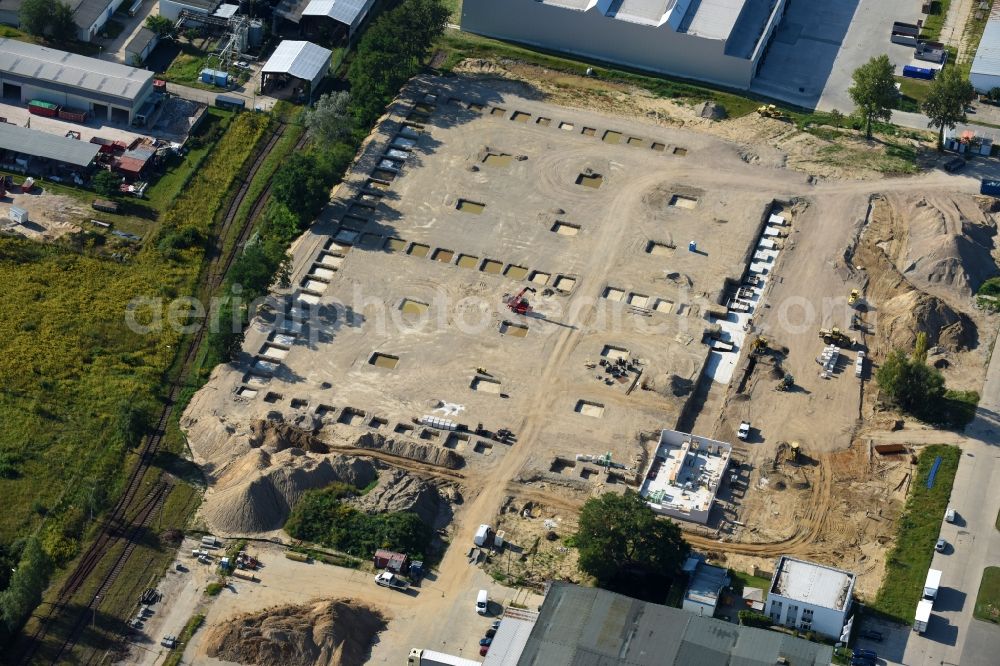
{"points": [[932, 584], [923, 616], [419, 657]]}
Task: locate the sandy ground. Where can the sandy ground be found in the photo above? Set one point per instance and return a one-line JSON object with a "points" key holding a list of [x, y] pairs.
{"points": [[49, 215], [836, 505]]}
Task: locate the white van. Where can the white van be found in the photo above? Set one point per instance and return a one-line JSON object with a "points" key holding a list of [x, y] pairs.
{"points": [[950, 515], [482, 602]]}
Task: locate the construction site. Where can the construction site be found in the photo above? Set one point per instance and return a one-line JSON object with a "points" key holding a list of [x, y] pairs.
{"points": [[513, 301]]}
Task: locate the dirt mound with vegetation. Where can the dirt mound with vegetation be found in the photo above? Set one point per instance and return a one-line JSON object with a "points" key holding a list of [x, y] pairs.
{"points": [[323, 633], [398, 491], [915, 312]]}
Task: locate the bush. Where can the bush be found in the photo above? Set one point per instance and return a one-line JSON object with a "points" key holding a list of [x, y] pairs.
{"points": [[214, 589], [751, 618], [105, 183]]}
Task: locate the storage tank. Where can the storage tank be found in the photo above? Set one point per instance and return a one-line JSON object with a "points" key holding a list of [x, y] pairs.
{"points": [[256, 35]]}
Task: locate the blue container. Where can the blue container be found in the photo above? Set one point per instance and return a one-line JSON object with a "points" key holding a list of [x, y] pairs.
{"points": [[215, 77], [919, 72], [692, 246], [990, 188]]}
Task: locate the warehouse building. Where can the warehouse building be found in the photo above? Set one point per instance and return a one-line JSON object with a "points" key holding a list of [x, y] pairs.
{"points": [[705, 584], [172, 9], [141, 45], [718, 41], [589, 626], [335, 19], [106, 90], [810, 597], [985, 72], [89, 15], [295, 70], [40, 154]]}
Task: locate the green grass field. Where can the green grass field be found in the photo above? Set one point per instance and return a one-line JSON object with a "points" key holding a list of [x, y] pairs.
{"points": [[919, 528], [988, 599]]}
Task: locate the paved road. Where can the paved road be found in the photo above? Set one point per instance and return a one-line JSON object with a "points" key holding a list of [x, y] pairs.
{"points": [[953, 636]]}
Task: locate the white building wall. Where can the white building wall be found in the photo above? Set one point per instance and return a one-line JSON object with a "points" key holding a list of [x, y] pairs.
{"points": [[698, 607], [172, 10], [590, 34], [87, 33], [825, 621]]}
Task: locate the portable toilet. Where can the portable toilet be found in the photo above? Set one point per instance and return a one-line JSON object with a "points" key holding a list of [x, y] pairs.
{"points": [[693, 246], [18, 215]]}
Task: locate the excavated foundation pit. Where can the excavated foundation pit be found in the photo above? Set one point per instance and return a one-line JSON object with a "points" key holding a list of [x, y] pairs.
{"points": [[498, 159], [592, 180], [491, 266], [569, 127], [565, 228], [443, 255], [614, 353], [540, 278], [497, 111], [472, 207], [485, 385], [680, 152], [467, 261], [664, 306], [418, 250], [386, 361], [395, 244], [614, 295], [377, 423], [377, 185], [612, 136], [543, 121], [635, 141], [562, 466], [658, 249], [638, 300], [515, 272], [512, 329], [383, 175], [564, 283], [520, 117], [245, 392], [456, 442], [412, 307], [658, 147], [484, 448], [682, 201], [589, 131], [587, 408]]}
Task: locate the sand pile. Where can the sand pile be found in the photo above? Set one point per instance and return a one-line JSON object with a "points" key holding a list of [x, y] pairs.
{"points": [[258, 490], [949, 245], [913, 312], [400, 491], [324, 633], [433, 455]]}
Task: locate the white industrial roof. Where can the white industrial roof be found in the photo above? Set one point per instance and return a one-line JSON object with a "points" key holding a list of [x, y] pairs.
{"points": [[987, 60], [571, 4], [51, 146], [303, 60], [647, 12], [812, 583], [714, 19], [55, 66], [342, 11]]}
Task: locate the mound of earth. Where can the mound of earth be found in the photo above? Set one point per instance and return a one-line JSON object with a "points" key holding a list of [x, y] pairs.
{"points": [[914, 312], [433, 455], [949, 245], [323, 633], [258, 490], [400, 491]]}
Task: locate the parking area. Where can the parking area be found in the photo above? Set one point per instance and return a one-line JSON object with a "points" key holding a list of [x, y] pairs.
{"points": [[819, 45]]}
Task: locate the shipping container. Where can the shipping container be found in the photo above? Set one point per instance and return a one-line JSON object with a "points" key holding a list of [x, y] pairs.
{"points": [[40, 108], [74, 115], [918, 72], [104, 205], [298, 557], [229, 102], [215, 77]]}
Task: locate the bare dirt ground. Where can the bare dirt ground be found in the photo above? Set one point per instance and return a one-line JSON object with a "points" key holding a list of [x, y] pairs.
{"points": [[623, 240], [50, 216]]}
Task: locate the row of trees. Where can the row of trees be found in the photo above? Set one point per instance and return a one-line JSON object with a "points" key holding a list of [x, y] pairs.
{"points": [[874, 93], [389, 54]]}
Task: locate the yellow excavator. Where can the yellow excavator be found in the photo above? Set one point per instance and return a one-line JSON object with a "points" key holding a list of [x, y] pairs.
{"points": [[834, 336], [854, 298]]}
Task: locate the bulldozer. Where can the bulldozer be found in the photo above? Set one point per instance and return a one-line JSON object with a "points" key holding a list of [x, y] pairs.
{"points": [[834, 336], [771, 111], [785, 383], [854, 298], [759, 345]]}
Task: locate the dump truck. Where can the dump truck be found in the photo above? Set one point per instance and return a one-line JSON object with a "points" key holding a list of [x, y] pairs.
{"points": [[211, 542], [420, 657], [923, 615]]}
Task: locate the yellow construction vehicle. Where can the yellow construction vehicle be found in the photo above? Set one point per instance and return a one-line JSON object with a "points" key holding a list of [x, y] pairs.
{"points": [[771, 111], [854, 298], [835, 336], [759, 345]]}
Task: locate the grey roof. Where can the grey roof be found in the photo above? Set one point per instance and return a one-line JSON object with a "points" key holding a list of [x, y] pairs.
{"points": [[141, 40], [571, 4], [207, 5], [348, 12], [580, 626], [52, 65], [39, 144], [88, 11], [987, 60], [706, 583], [303, 60], [713, 19], [647, 12]]}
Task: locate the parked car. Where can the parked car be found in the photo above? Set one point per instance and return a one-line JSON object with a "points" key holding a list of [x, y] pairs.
{"points": [[941, 545], [490, 633], [744, 430], [495, 625], [485, 641], [483, 650], [954, 164], [950, 515], [863, 661], [865, 654], [873, 635]]}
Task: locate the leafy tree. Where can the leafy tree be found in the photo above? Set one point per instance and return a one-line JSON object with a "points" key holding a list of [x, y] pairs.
{"points": [[260, 265], [132, 422], [619, 535], [161, 25], [874, 91], [34, 16], [301, 186], [994, 95], [26, 584], [279, 222], [913, 385], [62, 25], [330, 120], [225, 337], [105, 183], [945, 105]]}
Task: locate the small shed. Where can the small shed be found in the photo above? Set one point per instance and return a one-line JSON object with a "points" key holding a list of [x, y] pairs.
{"points": [[393, 561], [753, 597], [18, 215], [295, 69], [140, 46]]}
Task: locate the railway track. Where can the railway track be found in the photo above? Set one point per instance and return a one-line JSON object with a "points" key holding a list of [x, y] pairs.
{"points": [[132, 512]]}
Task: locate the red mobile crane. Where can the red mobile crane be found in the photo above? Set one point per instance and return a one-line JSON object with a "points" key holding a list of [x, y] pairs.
{"points": [[517, 303]]}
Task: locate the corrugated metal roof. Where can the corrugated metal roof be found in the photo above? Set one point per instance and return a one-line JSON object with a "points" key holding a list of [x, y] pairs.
{"points": [[348, 12], [580, 626], [987, 60], [88, 11], [646, 12], [39, 144], [53, 65], [141, 40], [303, 60]]}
